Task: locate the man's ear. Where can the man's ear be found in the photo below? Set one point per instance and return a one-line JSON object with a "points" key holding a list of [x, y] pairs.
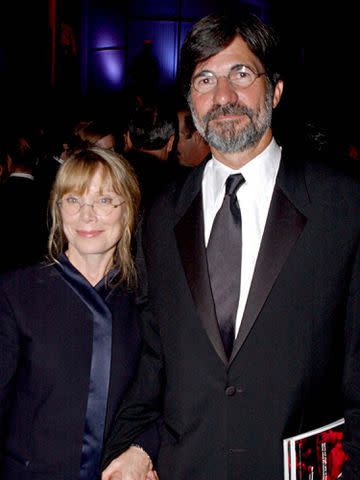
{"points": [[277, 93], [9, 163], [170, 143], [198, 139], [127, 141]]}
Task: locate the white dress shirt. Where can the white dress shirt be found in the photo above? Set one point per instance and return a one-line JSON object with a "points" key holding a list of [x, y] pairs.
{"points": [[22, 175], [254, 198]]}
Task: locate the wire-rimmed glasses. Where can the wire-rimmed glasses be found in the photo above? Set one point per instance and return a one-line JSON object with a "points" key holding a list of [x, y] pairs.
{"points": [[101, 206], [240, 76]]}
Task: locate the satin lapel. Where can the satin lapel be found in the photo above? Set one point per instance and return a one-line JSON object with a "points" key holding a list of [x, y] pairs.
{"points": [[283, 227], [189, 233]]}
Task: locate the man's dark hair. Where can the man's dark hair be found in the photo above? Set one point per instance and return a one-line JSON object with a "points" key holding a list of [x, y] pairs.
{"points": [[213, 33], [18, 148], [91, 132], [151, 127]]}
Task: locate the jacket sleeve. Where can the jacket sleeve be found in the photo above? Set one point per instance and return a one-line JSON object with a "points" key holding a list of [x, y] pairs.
{"points": [[9, 352], [139, 414]]}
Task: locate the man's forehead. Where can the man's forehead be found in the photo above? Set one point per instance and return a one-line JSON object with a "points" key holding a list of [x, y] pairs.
{"points": [[237, 52]]}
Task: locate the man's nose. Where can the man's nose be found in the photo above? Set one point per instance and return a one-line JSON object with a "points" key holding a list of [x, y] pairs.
{"points": [[224, 91]]}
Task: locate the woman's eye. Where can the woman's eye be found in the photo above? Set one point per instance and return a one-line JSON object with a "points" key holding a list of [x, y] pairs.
{"points": [[71, 199], [105, 201]]}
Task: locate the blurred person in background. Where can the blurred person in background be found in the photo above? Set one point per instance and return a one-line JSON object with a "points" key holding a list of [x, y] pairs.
{"points": [[23, 222], [150, 137], [191, 149], [95, 133]]}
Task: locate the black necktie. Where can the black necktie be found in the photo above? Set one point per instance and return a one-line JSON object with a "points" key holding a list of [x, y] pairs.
{"points": [[224, 261]]}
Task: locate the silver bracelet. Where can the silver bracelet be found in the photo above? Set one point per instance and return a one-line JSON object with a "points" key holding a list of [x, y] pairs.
{"points": [[136, 445]]}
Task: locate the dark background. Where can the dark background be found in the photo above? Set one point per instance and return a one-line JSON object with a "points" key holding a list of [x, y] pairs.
{"points": [[321, 44]]}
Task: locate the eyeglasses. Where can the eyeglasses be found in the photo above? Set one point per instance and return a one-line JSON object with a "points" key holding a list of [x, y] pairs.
{"points": [[240, 76], [102, 206]]}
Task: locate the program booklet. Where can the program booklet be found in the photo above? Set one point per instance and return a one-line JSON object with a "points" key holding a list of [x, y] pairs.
{"points": [[315, 455]]}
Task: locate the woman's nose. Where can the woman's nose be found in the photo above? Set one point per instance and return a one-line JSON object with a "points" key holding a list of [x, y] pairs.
{"points": [[87, 211]]}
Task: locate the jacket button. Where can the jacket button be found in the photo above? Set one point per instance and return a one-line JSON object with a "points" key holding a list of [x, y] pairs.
{"points": [[230, 391]]}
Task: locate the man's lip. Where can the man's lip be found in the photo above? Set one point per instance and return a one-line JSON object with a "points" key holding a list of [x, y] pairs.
{"points": [[229, 116]]}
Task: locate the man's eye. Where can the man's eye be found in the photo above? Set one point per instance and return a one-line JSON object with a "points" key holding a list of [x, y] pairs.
{"points": [[206, 80], [240, 74]]}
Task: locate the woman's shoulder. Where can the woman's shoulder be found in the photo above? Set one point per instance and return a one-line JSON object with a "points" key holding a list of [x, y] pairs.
{"points": [[28, 275]]}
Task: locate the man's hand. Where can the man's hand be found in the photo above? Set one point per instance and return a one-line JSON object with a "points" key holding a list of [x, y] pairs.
{"points": [[133, 464]]}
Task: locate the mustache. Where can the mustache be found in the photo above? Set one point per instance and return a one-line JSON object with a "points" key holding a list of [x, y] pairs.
{"points": [[229, 109]]}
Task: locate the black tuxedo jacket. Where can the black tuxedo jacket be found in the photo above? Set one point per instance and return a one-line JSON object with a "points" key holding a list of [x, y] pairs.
{"points": [[152, 173], [45, 356], [296, 359]]}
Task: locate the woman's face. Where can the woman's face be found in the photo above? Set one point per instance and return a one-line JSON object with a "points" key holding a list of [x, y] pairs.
{"points": [[93, 232]]}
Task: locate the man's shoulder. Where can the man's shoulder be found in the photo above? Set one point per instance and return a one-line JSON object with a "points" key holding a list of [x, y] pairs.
{"points": [[178, 193], [323, 172], [339, 175], [163, 206]]}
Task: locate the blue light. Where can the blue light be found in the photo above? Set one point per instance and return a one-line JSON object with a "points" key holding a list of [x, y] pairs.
{"points": [[107, 69], [105, 39], [112, 67]]}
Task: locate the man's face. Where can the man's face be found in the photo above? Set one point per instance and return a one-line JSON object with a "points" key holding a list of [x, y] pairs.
{"points": [[187, 149], [107, 142], [231, 118]]}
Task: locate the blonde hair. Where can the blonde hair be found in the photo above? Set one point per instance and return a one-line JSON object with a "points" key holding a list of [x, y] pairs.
{"points": [[74, 176]]}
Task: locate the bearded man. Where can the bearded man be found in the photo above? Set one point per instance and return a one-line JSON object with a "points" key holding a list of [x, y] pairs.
{"points": [[253, 284]]}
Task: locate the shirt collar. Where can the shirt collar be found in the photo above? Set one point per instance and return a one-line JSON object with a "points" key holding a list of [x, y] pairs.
{"points": [[22, 175], [58, 159], [260, 173]]}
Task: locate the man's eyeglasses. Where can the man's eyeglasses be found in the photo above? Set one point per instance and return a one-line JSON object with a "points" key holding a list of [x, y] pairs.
{"points": [[102, 206], [240, 76]]}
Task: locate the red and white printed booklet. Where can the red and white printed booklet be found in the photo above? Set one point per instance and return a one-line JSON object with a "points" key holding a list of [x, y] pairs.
{"points": [[315, 455]]}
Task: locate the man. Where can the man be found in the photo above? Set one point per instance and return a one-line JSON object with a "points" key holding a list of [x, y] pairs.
{"points": [[294, 364], [191, 149], [151, 135], [22, 212], [95, 133]]}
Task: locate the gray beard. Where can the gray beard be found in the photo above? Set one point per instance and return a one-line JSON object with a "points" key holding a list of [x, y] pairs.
{"points": [[228, 137]]}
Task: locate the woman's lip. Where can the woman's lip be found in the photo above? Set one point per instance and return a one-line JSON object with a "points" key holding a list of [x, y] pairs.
{"points": [[89, 233]]}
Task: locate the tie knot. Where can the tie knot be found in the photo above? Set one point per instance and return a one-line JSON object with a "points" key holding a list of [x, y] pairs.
{"points": [[233, 183]]}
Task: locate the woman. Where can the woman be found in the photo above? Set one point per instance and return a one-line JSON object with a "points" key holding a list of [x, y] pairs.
{"points": [[69, 337]]}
